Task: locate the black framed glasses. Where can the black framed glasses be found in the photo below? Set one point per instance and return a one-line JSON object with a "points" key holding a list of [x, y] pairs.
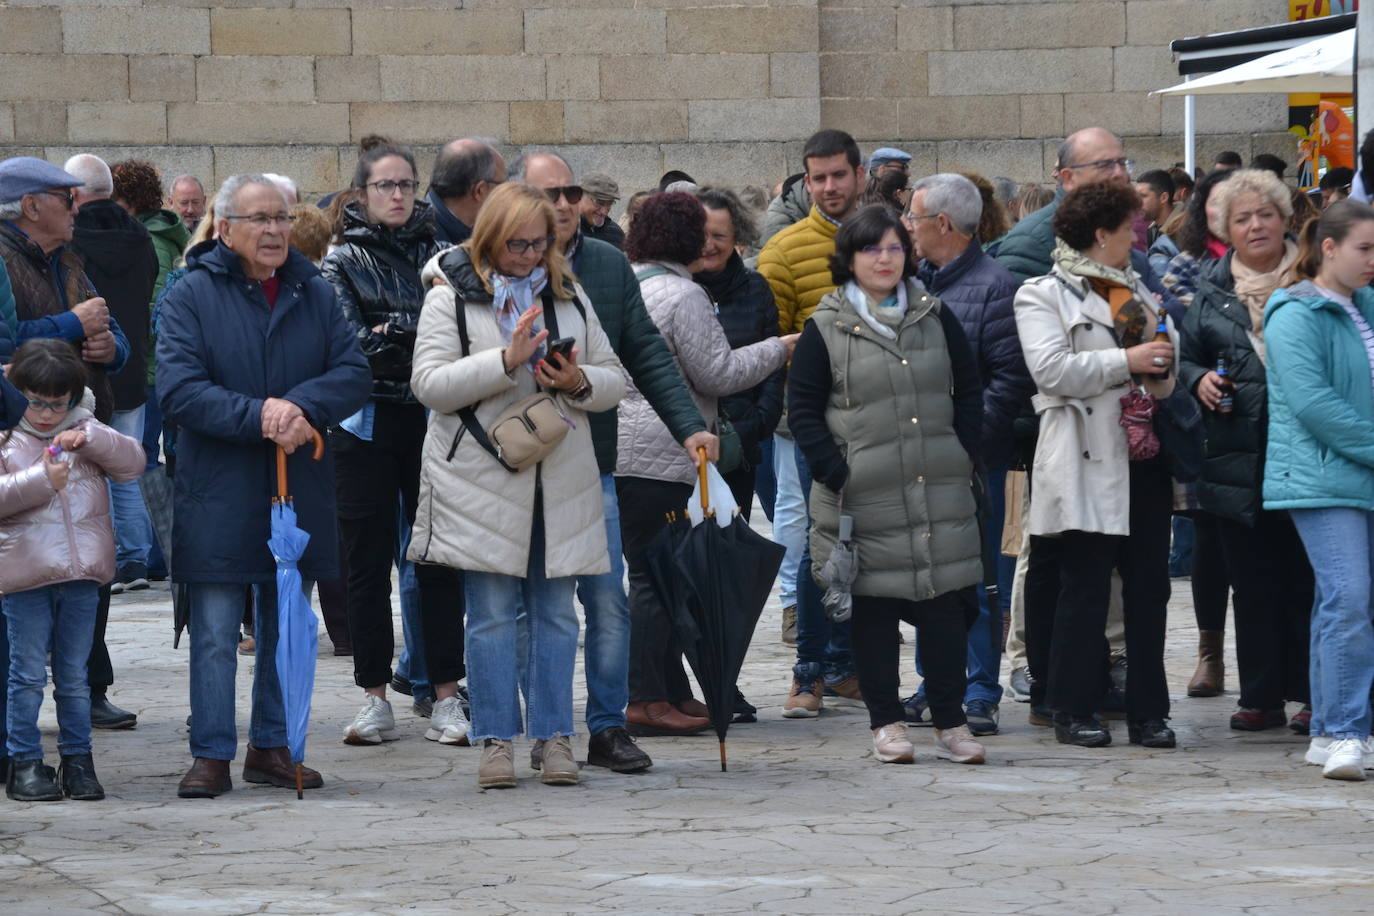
{"points": [[1105, 164], [58, 407], [63, 195], [263, 220], [386, 187], [520, 246], [572, 192]]}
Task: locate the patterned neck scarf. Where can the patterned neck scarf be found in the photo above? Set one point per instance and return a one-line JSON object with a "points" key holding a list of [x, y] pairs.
{"points": [[1116, 286], [511, 297]]}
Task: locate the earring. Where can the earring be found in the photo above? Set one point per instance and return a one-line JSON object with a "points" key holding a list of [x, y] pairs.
{"points": [[1101, 244]]}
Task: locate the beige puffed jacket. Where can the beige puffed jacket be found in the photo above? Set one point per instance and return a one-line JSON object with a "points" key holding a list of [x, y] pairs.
{"points": [[473, 513]]}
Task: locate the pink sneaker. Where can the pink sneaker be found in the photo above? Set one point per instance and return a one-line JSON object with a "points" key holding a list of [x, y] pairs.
{"points": [[959, 745], [890, 744]]}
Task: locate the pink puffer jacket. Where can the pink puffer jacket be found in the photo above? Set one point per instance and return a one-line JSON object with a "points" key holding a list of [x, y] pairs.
{"points": [[51, 537]]}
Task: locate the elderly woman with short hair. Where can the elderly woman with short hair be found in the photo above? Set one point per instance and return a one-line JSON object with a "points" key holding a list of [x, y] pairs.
{"points": [[1263, 556], [1087, 331]]}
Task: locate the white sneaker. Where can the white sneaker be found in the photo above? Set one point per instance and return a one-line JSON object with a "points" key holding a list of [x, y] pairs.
{"points": [[1345, 759], [1320, 750], [373, 724], [447, 724]]}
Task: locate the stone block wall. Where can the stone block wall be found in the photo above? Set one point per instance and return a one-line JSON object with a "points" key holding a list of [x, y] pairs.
{"points": [[725, 89]]}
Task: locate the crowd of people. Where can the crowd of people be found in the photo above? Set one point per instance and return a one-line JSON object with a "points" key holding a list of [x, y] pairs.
{"points": [[1025, 408]]}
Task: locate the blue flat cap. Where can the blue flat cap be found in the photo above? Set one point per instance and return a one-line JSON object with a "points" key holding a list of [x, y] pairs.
{"points": [[885, 155], [27, 175]]}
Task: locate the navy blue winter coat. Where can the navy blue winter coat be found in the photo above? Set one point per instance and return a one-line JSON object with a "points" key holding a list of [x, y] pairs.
{"points": [[979, 292], [221, 351]]}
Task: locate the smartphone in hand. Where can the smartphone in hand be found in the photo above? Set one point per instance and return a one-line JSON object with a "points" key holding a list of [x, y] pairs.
{"points": [[562, 348]]}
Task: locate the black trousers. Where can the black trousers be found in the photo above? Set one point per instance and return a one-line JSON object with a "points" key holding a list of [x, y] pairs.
{"points": [[656, 670], [1211, 585], [941, 642], [334, 602], [1068, 644], [1267, 566], [99, 670], [368, 478]]}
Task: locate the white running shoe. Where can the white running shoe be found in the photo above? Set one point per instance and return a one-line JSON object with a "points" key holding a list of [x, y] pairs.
{"points": [[447, 724], [373, 724], [1320, 750], [1345, 759]]}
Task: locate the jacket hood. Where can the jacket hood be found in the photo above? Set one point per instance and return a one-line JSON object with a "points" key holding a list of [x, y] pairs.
{"points": [[106, 233], [730, 281], [166, 224], [418, 230], [217, 258], [1307, 293], [454, 267]]}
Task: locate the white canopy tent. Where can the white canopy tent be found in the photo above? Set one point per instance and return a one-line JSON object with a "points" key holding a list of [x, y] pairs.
{"points": [[1326, 64]]}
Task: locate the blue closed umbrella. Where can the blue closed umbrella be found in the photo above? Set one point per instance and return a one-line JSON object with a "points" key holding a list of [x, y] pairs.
{"points": [[297, 628]]}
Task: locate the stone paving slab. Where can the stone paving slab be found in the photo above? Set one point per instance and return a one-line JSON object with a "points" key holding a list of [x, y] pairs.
{"points": [[804, 821]]}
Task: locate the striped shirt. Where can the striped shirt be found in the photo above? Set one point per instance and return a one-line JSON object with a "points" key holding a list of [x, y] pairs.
{"points": [[1366, 332]]}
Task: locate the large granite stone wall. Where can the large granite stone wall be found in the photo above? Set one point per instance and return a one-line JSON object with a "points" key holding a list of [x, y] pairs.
{"points": [[724, 89]]}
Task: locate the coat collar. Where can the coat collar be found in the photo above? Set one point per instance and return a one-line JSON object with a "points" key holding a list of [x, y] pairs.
{"points": [[418, 230], [840, 312], [940, 279]]}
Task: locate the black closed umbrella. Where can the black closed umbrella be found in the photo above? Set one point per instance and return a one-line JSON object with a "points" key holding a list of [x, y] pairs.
{"points": [[720, 579]]}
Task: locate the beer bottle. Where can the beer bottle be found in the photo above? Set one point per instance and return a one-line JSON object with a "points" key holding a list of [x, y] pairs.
{"points": [[1228, 388], [1161, 336]]}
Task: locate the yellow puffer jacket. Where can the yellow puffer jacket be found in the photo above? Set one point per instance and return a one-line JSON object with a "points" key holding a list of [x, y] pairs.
{"points": [[796, 264]]}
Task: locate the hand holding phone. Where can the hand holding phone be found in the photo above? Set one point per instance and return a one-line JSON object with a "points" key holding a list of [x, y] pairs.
{"points": [[562, 348]]}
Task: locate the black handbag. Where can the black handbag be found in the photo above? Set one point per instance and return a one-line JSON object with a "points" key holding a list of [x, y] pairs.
{"points": [[1178, 424], [731, 447]]}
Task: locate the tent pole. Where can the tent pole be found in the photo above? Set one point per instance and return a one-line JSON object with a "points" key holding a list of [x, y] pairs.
{"points": [[1189, 132]]}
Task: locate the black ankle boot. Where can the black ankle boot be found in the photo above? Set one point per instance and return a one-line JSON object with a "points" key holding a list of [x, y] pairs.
{"points": [[30, 780], [1152, 733], [1082, 731], [78, 778]]}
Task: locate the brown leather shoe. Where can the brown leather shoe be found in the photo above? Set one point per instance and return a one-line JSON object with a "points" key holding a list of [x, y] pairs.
{"points": [[207, 778], [273, 766], [693, 707], [1209, 679], [661, 719]]}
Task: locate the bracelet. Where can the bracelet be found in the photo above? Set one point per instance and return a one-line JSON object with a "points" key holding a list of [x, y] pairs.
{"points": [[583, 389]]}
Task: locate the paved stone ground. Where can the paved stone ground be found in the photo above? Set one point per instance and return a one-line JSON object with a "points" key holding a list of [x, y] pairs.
{"points": [[804, 822]]}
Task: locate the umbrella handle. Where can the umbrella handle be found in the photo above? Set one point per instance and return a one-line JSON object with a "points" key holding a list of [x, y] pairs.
{"points": [[701, 473], [282, 494]]}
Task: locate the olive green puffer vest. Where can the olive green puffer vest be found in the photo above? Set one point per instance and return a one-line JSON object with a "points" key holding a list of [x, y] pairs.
{"points": [[909, 490]]}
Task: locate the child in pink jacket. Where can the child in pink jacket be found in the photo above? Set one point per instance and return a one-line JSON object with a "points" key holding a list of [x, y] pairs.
{"points": [[56, 550]]}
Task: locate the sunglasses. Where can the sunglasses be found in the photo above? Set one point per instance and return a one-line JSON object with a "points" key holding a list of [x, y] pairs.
{"points": [[572, 193], [520, 246], [65, 196]]}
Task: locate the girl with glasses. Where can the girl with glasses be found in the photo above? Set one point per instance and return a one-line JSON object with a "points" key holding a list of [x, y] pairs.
{"points": [[56, 550]]}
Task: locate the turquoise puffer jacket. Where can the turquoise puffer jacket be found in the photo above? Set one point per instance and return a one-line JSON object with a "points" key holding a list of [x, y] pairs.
{"points": [[1321, 403]]}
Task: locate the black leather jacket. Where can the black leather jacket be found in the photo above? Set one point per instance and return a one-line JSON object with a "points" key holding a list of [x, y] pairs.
{"points": [[376, 275]]}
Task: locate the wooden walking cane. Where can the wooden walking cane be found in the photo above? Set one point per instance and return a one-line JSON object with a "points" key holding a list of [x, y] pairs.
{"points": [[281, 499]]}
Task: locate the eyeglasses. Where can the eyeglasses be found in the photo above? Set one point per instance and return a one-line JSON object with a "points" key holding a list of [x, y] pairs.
{"points": [[386, 187], [41, 405], [520, 246], [913, 218], [1104, 164], [877, 251], [263, 220], [572, 192], [64, 195]]}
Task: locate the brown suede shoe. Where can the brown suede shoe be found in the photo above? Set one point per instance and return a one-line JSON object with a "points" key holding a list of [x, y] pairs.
{"points": [[661, 719], [207, 778], [273, 766]]}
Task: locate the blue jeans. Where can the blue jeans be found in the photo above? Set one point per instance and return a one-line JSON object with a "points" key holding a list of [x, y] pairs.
{"points": [[411, 664], [607, 645], [59, 619], [789, 518], [985, 636], [1181, 548], [152, 427], [818, 639], [1340, 544], [216, 610], [494, 602], [132, 528]]}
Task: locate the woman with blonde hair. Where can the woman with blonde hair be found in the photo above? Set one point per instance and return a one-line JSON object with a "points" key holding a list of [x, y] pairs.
{"points": [[492, 334]]}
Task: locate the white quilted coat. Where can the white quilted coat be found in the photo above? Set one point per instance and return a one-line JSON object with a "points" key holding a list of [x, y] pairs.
{"points": [[686, 318], [473, 513]]}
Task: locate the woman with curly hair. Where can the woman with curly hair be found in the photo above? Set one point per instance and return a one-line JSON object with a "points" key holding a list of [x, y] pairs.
{"points": [[653, 474], [1087, 329], [138, 188]]}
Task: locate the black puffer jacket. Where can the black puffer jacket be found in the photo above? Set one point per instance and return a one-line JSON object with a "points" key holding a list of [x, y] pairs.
{"points": [[747, 314], [979, 292], [369, 273], [1216, 325]]}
